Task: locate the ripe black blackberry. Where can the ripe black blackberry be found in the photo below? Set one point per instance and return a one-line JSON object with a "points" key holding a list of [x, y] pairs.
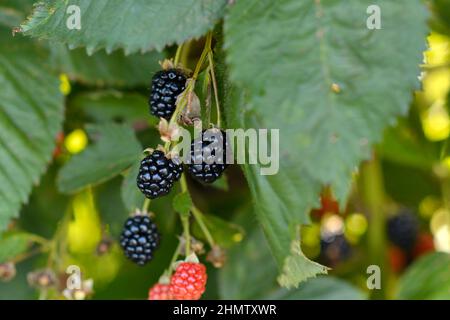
{"points": [[139, 239], [157, 174], [207, 159], [403, 230], [166, 87]]}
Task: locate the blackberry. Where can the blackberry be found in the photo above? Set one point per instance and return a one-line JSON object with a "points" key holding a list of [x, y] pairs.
{"points": [[403, 230], [334, 249], [207, 161], [139, 239], [157, 175], [166, 87]]}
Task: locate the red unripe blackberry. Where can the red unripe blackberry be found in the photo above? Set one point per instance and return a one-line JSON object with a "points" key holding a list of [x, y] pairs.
{"points": [[139, 239], [397, 259], [188, 282], [424, 245], [207, 160], [159, 292], [157, 174], [166, 87]]}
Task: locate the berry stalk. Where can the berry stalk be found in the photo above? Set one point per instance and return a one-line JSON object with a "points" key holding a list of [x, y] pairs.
{"points": [[146, 205], [186, 233], [191, 85], [374, 198], [178, 54], [214, 83], [198, 215], [185, 219]]}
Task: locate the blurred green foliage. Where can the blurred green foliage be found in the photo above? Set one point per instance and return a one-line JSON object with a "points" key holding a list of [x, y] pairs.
{"points": [[88, 188]]}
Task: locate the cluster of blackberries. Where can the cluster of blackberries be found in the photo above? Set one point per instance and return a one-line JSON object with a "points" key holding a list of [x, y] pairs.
{"points": [[206, 161], [158, 172]]}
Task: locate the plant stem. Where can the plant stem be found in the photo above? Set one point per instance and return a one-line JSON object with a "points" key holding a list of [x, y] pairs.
{"points": [[55, 246], [374, 198], [38, 239], [29, 254], [146, 205], [444, 149], [43, 293], [445, 190], [44, 245], [186, 233], [177, 55], [183, 183], [184, 57], [185, 218], [174, 258], [198, 215], [214, 82], [207, 92], [206, 50]]}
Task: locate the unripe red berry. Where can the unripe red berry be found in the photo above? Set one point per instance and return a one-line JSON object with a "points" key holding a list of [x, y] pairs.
{"points": [[159, 292], [189, 281]]}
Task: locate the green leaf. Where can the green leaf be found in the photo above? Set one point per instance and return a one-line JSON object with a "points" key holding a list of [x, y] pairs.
{"points": [[428, 278], [309, 48], [13, 244], [115, 150], [102, 69], [277, 205], [327, 43], [134, 25], [31, 115], [111, 105], [224, 233], [235, 280], [322, 288], [182, 203], [132, 197], [297, 267]]}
